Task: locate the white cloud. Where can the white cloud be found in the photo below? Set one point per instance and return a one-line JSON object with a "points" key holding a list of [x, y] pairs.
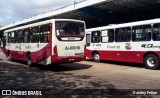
{"points": [[13, 10]]}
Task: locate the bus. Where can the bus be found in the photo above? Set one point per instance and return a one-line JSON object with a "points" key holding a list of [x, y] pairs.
{"points": [[47, 42], [137, 42], [0, 44]]}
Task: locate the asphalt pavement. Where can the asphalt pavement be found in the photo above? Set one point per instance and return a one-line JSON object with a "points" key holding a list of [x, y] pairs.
{"points": [[81, 78]]}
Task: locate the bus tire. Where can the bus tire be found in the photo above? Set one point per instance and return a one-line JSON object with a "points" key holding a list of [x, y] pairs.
{"points": [[9, 57], [29, 60], [96, 57], [151, 61]]}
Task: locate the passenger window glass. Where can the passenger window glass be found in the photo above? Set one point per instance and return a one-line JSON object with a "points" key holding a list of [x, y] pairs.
{"points": [[13, 37], [96, 37], [107, 36], [156, 32], [45, 34], [26, 35], [19, 36], [123, 34], [142, 33], [35, 35], [9, 37]]}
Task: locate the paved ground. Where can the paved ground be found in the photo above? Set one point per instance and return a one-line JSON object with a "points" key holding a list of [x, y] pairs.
{"points": [[113, 78], [121, 75]]}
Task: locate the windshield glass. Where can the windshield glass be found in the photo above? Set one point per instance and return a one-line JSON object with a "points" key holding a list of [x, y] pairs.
{"points": [[72, 29]]}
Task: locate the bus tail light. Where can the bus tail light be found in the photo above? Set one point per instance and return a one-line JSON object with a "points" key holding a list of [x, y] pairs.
{"points": [[55, 51]]}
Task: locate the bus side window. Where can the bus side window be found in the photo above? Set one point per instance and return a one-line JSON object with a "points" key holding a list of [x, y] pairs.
{"points": [[45, 34], [123, 34], [107, 36], [142, 33], [156, 32], [9, 37], [19, 36], [95, 37], [111, 35], [26, 33], [35, 35], [14, 37]]}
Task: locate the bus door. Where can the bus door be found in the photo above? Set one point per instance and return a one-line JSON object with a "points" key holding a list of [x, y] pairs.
{"points": [[4, 45]]}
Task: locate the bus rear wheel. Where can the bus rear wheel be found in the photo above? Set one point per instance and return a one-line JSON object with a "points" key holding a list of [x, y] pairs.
{"points": [[9, 57], [96, 57], [29, 60], [151, 61]]}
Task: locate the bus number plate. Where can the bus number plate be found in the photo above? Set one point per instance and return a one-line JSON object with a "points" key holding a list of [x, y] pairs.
{"points": [[71, 38]]}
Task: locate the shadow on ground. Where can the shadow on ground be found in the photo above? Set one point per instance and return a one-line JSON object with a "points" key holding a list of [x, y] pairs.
{"points": [[63, 67], [57, 67], [55, 83]]}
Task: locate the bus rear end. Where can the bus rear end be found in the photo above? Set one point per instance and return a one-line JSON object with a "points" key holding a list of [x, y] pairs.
{"points": [[68, 42]]}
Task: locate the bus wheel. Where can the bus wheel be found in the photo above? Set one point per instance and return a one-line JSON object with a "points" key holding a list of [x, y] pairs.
{"points": [[29, 60], [96, 57], [151, 61], [9, 57]]}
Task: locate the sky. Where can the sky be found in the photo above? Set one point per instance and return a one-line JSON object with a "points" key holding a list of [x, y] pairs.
{"points": [[14, 10]]}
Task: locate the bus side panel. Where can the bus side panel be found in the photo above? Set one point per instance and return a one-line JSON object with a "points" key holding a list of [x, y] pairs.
{"points": [[42, 54], [125, 56], [5, 51], [37, 56], [19, 55], [15, 55], [89, 53]]}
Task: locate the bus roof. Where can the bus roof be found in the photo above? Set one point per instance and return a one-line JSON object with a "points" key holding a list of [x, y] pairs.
{"points": [[41, 23], [28, 26], [131, 24]]}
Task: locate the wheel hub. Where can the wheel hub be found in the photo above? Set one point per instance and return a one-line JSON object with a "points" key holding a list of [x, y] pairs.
{"points": [[97, 57], [151, 61]]}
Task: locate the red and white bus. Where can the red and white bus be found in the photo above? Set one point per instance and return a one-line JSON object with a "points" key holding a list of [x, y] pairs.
{"points": [[1, 43], [137, 42], [47, 42]]}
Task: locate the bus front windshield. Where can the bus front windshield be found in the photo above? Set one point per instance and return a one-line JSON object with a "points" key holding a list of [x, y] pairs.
{"points": [[67, 29]]}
